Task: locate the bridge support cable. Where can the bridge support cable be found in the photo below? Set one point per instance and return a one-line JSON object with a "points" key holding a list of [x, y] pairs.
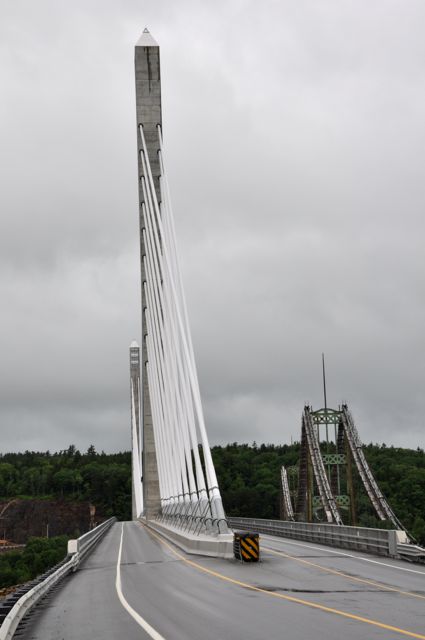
{"points": [[185, 439], [326, 496], [288, 511], [154, 374], [181, 401], [164, 471], [163, 360], [187, 479], [165, 443], [169, 230], [137, 484], [156, 305], [161, 383], [377, 498], [166, 380]]}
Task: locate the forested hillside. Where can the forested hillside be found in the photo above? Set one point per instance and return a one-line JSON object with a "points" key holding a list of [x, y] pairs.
{"points": [[249, 481], [101, 479], [39, 555], [248, 475]]}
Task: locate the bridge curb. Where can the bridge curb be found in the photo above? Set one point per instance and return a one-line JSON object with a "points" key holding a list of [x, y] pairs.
{"points": [[219, 546]]}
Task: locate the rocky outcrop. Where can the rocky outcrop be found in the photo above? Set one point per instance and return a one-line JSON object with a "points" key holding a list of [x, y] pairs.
{"points": [[22, 519]]}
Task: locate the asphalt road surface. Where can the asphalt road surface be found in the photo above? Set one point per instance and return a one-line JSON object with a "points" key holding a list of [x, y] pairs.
{"points": [[137, 585]]}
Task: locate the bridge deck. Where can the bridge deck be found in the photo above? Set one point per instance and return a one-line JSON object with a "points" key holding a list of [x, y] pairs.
{"points": [[298, 591]]}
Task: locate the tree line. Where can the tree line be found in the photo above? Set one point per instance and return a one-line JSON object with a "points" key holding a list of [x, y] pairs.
{"points": [[100, 478], [249, 478]]}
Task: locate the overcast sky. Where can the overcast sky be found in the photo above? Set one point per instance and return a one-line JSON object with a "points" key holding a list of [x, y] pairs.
{"points": [[295, 136]]}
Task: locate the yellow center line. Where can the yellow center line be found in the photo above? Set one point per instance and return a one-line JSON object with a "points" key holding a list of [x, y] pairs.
{"points": [[345, 575], [280, 596]]}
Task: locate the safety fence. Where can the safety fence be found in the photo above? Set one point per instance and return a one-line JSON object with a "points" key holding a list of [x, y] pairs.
{"points": [[16, 606], [195, 518]]}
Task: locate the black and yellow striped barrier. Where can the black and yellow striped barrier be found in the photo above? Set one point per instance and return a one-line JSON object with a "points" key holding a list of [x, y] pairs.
{"points": [[246, 546]]}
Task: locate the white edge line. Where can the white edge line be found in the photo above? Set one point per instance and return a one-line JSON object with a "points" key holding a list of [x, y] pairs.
{"points": [[343, 553], [152, 633]]}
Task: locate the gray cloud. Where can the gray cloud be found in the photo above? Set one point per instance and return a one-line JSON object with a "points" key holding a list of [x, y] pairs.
{"points": [[295, 148]]}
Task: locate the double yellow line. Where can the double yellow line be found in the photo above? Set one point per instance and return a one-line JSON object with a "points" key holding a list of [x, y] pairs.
{"points": [[280, 596]]}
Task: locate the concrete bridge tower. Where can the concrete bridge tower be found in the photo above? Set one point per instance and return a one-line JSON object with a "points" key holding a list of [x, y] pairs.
{"points": [[148, 107]]}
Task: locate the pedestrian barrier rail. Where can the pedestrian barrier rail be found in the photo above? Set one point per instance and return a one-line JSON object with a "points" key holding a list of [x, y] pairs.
{"points": [[392, 543], [16, 606], [82, 546]]}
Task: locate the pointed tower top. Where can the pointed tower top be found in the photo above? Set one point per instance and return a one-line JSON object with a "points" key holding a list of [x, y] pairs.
{"points": [[146, 40], [134, 344]]}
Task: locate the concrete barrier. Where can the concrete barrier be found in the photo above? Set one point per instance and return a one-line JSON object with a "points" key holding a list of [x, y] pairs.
{"points": [[378, 541], [216, 546]]}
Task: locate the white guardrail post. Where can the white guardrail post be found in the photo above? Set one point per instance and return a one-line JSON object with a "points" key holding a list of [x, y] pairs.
{"points": [[77, 550]]}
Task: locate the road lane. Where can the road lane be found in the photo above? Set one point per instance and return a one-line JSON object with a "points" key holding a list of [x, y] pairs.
{"points": [[85, 604], [191, 598], [397, 574]]}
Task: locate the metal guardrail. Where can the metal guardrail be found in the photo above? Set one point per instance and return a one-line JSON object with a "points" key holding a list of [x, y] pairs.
{"points": [[30, 598], [411, 552], [195, 518], [378, 541], [83, 545], [77, 551]]}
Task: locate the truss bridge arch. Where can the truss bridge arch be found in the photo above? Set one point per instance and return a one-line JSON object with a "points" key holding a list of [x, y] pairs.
{"points": [[321, 487]]}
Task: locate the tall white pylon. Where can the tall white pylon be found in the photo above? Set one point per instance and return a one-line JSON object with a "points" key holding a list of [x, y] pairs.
{"points": [[188, 489]]}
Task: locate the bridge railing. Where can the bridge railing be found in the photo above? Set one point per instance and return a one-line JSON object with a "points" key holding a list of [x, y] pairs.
{"points": [[194, 521], [37, 589], [377, 541], [85, 543]]}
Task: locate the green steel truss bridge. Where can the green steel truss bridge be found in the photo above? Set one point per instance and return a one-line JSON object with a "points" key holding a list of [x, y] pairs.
{"points": [[321, 487]]}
